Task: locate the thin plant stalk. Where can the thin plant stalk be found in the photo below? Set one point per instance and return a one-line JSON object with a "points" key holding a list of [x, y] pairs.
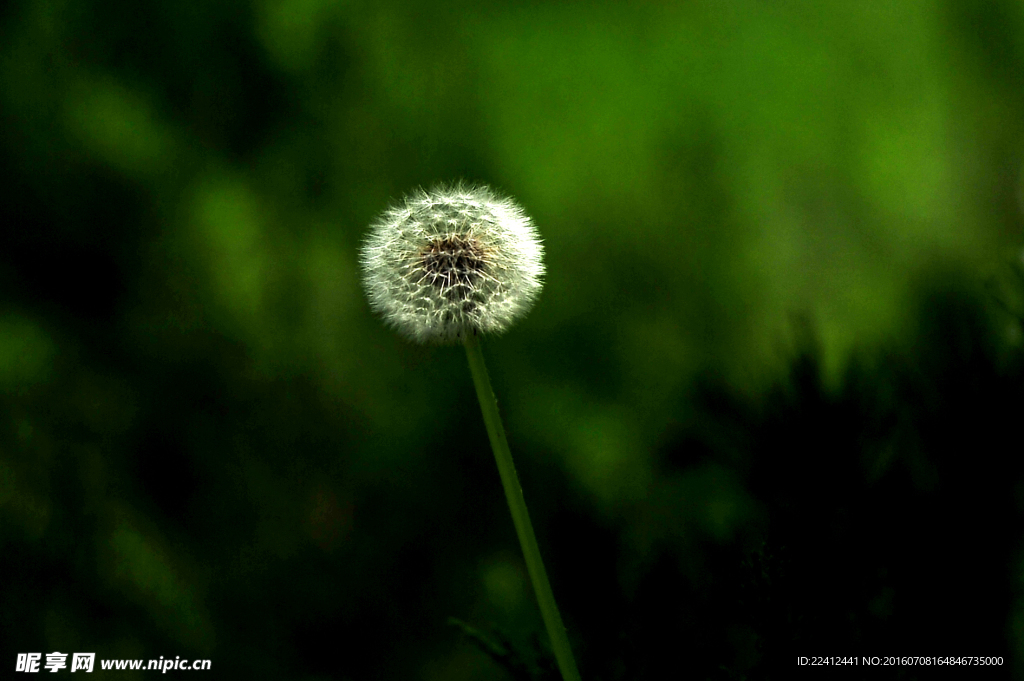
{"points": [[520, 516]]}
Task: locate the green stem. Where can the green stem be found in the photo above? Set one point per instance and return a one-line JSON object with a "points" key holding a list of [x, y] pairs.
{"points": [[520, 516]]}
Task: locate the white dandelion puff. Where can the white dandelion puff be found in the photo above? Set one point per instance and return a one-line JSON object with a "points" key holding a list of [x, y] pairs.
{"points": [[452, 261]]}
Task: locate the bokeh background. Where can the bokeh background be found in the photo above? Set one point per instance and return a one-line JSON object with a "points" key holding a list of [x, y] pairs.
{"points": [[769, 403]]}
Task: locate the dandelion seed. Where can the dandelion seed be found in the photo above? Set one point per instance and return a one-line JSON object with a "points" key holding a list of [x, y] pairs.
{"points": [[450, 262]]}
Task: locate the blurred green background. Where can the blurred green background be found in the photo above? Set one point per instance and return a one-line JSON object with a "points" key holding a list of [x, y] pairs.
{"points": [[768, 403]]}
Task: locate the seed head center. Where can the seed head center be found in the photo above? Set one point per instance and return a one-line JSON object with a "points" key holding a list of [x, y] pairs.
{"points": [[453, 264]]}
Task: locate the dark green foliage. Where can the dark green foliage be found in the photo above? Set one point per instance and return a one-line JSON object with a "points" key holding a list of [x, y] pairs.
{"points": [[521, 666]]}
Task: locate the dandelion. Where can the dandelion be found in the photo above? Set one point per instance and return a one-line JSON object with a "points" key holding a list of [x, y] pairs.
{"points": [[447, 266], [452, 262]]}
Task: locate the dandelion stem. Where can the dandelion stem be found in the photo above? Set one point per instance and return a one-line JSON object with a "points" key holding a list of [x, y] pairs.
{"points": [[520, 516]]}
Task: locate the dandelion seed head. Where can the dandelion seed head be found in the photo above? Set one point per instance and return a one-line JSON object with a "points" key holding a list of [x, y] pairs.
{"points": [[455, 260]]}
